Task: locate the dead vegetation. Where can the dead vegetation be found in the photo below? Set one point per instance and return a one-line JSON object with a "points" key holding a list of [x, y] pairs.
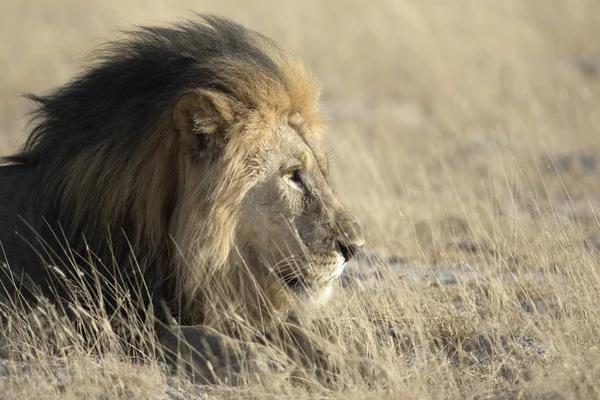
{"points": [[464, 137]]}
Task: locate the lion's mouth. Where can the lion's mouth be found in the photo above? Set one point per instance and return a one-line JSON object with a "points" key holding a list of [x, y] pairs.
{"points": [[317, 291], [299, 283]]}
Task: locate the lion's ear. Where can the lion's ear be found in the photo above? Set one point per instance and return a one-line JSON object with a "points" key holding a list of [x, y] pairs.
{"points": [[202, 112]]}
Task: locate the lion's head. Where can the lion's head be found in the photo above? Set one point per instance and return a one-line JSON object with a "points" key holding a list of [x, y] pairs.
{"points": [[198, 147], [293, 227]]}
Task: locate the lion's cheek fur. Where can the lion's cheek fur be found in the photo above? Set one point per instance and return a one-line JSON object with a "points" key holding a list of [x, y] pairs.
{"points": [[202, 251]]}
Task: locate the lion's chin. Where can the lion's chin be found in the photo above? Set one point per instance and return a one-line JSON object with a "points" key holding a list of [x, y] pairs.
{"points": [[314, 296], [322, 296], [314, 291]]}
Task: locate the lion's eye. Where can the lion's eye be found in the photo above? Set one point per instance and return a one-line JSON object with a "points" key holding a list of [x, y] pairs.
{"points": [[294, 178]]}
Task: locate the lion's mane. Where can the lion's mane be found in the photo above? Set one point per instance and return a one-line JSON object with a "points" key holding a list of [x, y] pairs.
{"points": [[109, 174]]}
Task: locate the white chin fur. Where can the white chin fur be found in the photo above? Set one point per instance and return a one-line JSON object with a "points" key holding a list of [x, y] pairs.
{"points": [[322, 296]]}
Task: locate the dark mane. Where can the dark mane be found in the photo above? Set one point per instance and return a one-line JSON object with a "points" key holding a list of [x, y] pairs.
{"points": [[133, 81]]}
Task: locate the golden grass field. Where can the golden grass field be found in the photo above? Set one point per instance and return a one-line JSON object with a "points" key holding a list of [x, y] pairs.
{"points": [[464, 136]]}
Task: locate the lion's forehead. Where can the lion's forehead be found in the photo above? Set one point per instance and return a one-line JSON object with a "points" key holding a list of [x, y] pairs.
{"points": [[292, 144]]}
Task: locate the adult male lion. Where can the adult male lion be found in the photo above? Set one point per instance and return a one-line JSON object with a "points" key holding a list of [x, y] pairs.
{"points": [[184, 167]]}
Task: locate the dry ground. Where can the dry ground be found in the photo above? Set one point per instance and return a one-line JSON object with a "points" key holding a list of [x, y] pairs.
{"points": [[465, 136]]}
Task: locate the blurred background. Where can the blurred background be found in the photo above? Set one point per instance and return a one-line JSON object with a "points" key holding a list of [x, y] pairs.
{"points": [[444, 116]]}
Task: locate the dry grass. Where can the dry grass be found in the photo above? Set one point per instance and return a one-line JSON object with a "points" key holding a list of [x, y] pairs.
{"points": [[464, 136]]}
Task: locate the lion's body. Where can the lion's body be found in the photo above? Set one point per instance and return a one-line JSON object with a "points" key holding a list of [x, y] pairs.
{"points": [[184, 168]]}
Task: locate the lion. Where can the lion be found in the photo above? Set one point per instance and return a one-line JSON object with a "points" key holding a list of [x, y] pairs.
{"points": [[183, 167]]}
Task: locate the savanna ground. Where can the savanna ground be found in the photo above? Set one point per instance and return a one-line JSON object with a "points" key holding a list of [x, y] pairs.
{"points": [[464, 135]]}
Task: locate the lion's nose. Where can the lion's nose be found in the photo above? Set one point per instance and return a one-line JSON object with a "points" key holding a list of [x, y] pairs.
{"points": [[348, 250]]}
